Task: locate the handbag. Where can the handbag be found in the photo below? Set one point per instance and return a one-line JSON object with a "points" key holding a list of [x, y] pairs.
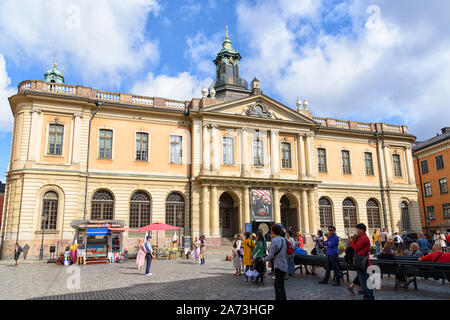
{"points": [[314, 251], [360, 263]]}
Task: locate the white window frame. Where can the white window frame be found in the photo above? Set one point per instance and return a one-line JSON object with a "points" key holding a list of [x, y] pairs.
{"points": [[170, 146], [47, 136], [290, 154], [148, 145], [253, 155], [112, 144], [232, 149]]}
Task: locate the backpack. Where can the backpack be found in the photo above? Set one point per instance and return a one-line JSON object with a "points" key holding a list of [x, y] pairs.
{"points": [[289, 250], [349, 254]]}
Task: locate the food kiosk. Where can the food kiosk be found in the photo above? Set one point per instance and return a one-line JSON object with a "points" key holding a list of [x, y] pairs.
{"points": [[99, 241]]}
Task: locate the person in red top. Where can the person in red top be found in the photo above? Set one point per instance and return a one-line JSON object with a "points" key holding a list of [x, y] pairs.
{"points": [[361, 245], [437, 255]]}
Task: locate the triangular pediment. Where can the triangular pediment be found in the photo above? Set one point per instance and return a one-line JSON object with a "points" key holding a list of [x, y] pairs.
{"points": [[259, 106]]}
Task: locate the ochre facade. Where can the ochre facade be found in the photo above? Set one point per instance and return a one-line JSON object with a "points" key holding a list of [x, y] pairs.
{"points": [[188, 156]]}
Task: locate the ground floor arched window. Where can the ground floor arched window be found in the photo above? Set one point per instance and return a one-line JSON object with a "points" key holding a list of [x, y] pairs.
{"points": [[350, 216], [406, 223], [49, 211], [139, 210], [175, 209], [325, 213], [102, 205], [373, 214]]}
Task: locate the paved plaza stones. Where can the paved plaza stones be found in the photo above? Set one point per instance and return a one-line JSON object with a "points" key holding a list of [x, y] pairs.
{"points": [[180, 279]]}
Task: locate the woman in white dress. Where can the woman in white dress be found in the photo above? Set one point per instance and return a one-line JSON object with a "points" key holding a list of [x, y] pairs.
{"points": [[196, 251], [237, 242]]}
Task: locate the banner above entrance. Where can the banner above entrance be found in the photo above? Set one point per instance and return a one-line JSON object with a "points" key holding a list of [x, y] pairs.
{"points": [[261, 204]]}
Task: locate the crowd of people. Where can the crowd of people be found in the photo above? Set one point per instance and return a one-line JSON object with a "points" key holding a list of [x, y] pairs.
{"points": [[253, 258]]}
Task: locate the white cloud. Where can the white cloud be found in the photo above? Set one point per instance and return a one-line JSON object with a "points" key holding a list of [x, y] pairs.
{"points": [[201, 50], [391, 66], [101, 40], [6, 118], [182, 87]]}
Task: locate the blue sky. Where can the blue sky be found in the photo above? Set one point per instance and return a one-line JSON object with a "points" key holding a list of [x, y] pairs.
{"points": [[377, 60]]}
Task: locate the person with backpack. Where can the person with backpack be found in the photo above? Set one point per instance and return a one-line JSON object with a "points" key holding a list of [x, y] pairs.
{"points": [[17, 251], [361, 245], [290, 253], [277, 253], [331, 245]]}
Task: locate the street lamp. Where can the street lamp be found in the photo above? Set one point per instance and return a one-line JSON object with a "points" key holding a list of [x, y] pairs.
{"points": [[41, 251]]}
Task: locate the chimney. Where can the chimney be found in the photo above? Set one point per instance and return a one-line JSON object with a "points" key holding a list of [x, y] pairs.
{"points": [[445, 130], [255, 86]]}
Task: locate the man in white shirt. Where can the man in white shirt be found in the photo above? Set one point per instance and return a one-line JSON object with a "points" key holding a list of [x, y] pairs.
{"points": [[149, 255]]}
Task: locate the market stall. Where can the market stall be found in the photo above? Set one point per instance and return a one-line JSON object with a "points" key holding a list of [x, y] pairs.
{"points": [[100, 241]]}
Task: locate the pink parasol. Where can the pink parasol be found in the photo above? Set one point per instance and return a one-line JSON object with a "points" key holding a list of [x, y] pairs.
{"points": [[157, 226]]}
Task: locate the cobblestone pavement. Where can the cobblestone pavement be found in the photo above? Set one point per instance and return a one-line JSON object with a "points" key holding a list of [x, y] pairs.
{"points": [[181, 279]]}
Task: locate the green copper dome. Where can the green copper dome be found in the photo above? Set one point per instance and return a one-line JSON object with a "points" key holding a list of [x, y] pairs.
{"points": [[54, 75]]}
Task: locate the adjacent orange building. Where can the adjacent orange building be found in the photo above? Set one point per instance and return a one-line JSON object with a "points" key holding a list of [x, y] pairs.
{"points": [[432, 171]]}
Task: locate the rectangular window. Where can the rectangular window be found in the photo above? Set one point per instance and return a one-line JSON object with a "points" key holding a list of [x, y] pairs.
{"points": [[397, 165], [424, 165], [439, 162], [105, 144], [322, 159], [176, 149], [258, 155], [55, 139], [427, 189], [228, 150], [446, 210], [443, 186], [286, 155], [369, 163], [430, 213], [142, 146], [346, 169]]}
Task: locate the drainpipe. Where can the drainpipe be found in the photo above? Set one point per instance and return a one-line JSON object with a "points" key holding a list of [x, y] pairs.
{"points": [[383, 203], [186, 115], [98, 104], [422, 195]]}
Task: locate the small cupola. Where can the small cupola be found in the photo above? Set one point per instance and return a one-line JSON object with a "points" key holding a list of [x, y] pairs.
{"points": [[54, 75]]}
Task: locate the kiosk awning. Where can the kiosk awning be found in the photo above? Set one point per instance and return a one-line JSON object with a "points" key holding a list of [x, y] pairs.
{"points": [[98, 232]]}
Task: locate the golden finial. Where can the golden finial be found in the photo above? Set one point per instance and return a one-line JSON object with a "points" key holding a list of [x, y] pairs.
{"points": [[56, 58], [226, 32]]}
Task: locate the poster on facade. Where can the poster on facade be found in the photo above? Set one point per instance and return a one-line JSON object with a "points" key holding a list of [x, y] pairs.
{"points": [[261, 204]]}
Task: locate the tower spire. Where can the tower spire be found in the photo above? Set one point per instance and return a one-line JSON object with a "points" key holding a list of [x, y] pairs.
{"points": [[226, 32], [55, 64]]}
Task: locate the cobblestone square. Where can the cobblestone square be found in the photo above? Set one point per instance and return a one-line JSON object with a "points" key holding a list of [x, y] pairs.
{"points": [[181, 279]]}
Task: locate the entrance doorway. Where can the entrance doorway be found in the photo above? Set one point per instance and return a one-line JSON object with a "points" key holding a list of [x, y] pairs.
{"points": [[288, 215], [228, 215]]}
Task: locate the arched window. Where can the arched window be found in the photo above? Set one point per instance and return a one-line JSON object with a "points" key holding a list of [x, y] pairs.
{"points": [[349, 213], [326, 213], [139, 210], [49, 211], [373, 214], [102, 205], [175, 210], [405, 216]]}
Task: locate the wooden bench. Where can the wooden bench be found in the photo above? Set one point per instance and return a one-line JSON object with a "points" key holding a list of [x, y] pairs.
{"points": [[405, 269]]}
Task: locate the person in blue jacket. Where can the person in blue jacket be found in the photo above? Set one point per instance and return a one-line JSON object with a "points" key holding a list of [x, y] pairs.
{"points": [[332, 257]]}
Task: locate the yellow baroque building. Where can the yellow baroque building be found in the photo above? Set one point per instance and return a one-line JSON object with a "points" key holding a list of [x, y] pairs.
{"points": [[210, 165]]}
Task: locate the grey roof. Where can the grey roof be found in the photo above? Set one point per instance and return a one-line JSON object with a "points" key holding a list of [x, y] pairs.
{"points": [[2, 187], [445, 135]]}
